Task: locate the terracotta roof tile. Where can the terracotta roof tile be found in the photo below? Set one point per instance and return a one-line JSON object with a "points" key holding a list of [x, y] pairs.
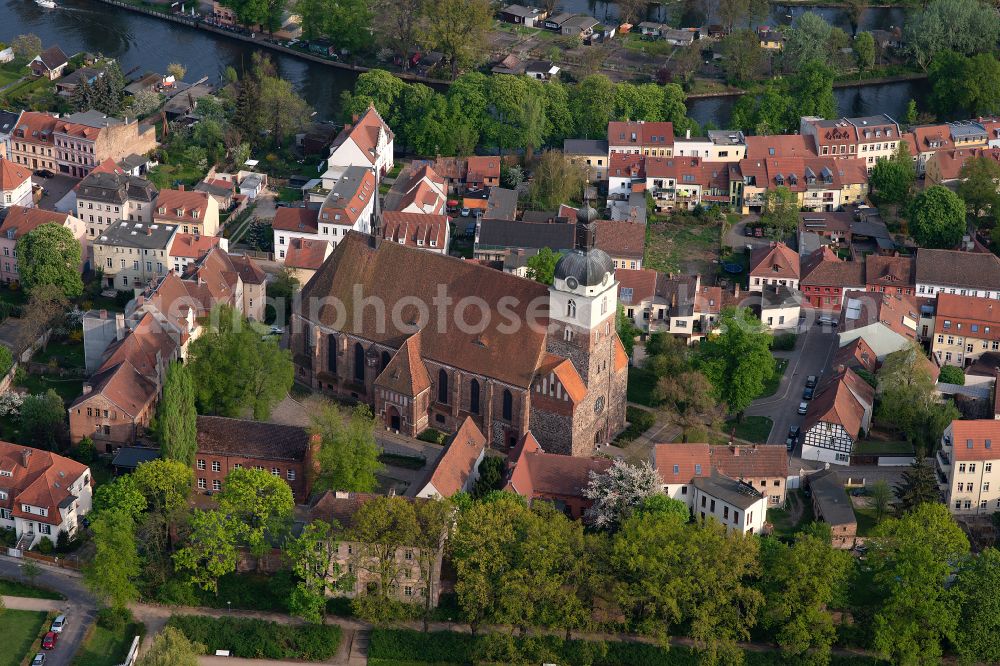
{"points": [[650, 134], [953, 268], [296, 218], [457, 463], [252, 439], [43, 482], [191, 246], [689, 461], [187, 201], [835, 402], [776, 261], [21, 220], [640, 285], [12, 175], [408, 228], [741, 462], [856, 353], [979, 432], [406, 372], [306, 253], [536, 473], [621, 239]]}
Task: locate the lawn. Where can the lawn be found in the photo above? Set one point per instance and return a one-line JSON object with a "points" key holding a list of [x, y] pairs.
{"points": [[13, 588], [68, 389], [866, 520], [406, 462], [753, 428], [20, 631], [12, 71], [166, 176], [103, 647], [771, 385], [640, 386], [781, 518], [66, 354], [289, 194], [672, 247]]}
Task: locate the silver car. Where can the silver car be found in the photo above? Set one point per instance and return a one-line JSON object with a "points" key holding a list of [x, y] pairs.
{"points": [[803, 407], [58, 624], [39, 659]]}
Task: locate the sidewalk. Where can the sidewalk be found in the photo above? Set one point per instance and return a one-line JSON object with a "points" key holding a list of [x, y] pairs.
{"points": [[32, 604]]}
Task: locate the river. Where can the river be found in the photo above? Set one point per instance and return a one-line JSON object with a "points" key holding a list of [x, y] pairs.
{"points": [[146, 43]]}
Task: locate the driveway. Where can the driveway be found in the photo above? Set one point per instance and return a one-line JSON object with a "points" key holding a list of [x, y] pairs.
{"points": [[56, 189], [79, 606], [812, 352]]}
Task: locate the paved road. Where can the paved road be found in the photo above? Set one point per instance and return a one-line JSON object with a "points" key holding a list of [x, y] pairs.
{"points": [[79, 606], [810, 357]]}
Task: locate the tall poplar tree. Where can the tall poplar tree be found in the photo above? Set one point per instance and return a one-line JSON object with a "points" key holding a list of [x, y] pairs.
{"points": [[177, 428]]}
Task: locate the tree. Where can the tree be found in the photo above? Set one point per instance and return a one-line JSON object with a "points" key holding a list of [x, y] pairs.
{"points": [[592, 101], [689, 397], [937, 218], [633, 11], [800, 582], [260, 503], [556, 180], [434, 520], [664, 504], [627, 330], [176, 70], [952, 374], [43, 419], [403, 19], [282, 111], [813, 87], [806, 41], [165, 484], [855, 8], [459, 28], [210, 552], [731, 11], [348, 455], [963, 26], [880, 499], [907, 399], [542, 266], [309, 556], [891, 179], [911, 558], [171, 647], [176, 418], [120, 494], [491, 476], [114, 569], [234, 369], [381, 527], [26, 46], [737, 360], [864, 52], [978, 188], [31, 571], [781, 211], [917, 487], [911, 112], [50, 255], [977, 638], [742, 55], [619, 490]]}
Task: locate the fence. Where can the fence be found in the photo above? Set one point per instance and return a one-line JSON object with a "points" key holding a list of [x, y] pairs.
{"points": [[133, 653]]}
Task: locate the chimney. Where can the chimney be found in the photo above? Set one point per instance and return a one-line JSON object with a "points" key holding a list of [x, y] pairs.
{"points": [[120, 326], [25, 455], [103, 314], [180, 187], [687, 134], [736, 451], [149, 231]]}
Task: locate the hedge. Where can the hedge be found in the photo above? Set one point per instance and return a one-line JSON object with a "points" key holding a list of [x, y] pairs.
{"points": [[433, 436], [258, 639], [403, 647], [952, 374], [783, 342]]}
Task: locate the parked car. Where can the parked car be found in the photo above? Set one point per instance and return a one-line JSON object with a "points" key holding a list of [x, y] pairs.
{"points": [[808, 393], [826, 320], [748, 230], [465, 212], [789, 444], [803, 407], [49, 641], [277, 330], [58, 624], [794, 432], [39, 659], [811, 381], [44, 173]]}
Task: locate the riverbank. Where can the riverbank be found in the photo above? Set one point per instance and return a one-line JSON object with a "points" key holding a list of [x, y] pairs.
{"points": [[864, 83]]}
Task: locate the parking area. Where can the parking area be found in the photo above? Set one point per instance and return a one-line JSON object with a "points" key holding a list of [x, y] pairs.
{"points": [[55, 190], [810, 357]]}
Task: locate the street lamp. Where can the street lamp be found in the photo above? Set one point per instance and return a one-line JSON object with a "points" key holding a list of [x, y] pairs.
{"points": [[229, 605]]}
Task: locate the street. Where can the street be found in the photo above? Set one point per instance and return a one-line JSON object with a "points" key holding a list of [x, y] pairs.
{"points": [[79, 606]]}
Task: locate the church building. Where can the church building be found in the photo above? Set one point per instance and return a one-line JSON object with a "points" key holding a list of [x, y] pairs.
{"points": [[428, 340]]}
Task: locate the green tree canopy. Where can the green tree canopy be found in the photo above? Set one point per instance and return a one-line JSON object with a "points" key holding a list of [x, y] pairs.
{"points": [[120, 494], [937, 218], [806, 41], [114, 569], [556, 180], [737, 360], [458, 28], [171, 648], [176, 418], [978, 189], [918, 486], [210, 551], [261, 505], [742, 55], [348, 454], [907, 399], [310, 555], [43, 420], [977, 638], [963, 26], [891, 179], [542, 266], [50, 255]]}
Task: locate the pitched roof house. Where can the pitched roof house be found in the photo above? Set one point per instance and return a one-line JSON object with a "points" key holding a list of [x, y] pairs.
{"points": [[956, 272], [624, 241], [16, 221], [774, 265], [192, 211], [888, 323], [457, 468], [825, 279], [427, 232], [15, 184], [50, 63], [838, 415], [367, 140]]}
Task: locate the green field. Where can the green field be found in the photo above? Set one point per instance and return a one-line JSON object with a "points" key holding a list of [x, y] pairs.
{"points": [[106, 648], [753, 428], [13, 588], [640, 386], [20, 630]]}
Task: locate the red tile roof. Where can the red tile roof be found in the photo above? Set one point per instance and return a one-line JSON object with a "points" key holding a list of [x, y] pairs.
{"points": [[192, 246], [295, 218], [408, 228], [931, 138], [780, 145], [776, 261], [306, 253], [824, 268], [39, 478], [364, 132], [626, 165], [454, 467], [567, 375], [621, 239], [835, 402], [898, 312], [647, 134], [479, 169], [746, 462], [406, 373], [690, 461], [890, 271], [180, 205], [36, 127], [964, 312], [856, 353], [978, 432], [21, 220], [641, 283], [539, 474], [12, 175], [949, 163]]}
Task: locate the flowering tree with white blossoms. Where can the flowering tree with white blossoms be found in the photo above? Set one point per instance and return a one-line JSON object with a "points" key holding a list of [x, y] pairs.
{"points": [[10, 403], [619, 491]]}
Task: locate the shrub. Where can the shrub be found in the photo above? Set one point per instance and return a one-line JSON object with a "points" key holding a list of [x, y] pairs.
{"points": [[952, 374], [8, 536], [639, 421], [784, 342], [867, 376], [45, 546], [433, 436], [85, 451], [258, 639], [371, 608], [114, 619]]}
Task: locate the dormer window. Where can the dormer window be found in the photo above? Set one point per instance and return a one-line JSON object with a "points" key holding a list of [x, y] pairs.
{"points": [[194, 214], [161, 210], [180, 212]]}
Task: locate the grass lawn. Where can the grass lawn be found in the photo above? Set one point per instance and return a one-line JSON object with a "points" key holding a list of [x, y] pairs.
{"points": [[67, 354], [165, 176], [866, 520], [407, 462], [13, 588], [20, 630], [289, 194], [880, 447], [68, 389], [781, 518], [640, 386], [771, 385], [753, 428], [102, 647], [670, 247]]}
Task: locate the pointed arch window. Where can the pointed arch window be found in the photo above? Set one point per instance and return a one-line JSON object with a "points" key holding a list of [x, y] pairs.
{"points": [[385, 359], [571, 308], [331, 354], [359, 362], [508, 405], [474, 396], [443, 387]]}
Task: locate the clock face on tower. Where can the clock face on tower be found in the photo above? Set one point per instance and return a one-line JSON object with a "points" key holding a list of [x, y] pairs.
{"points": [[606, 278], [572, 282], [599, 405]]}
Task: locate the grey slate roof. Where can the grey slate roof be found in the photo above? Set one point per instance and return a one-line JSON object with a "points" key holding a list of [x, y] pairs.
{"points": [[958, 269], [585, 146], [513, 234], [829, 495], [728, 490], [125, 233]]}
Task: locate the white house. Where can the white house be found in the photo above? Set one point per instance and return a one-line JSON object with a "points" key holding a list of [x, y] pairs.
{"points": [[368, 141], [41, 493], [837, 417], [956, 272], [15, 184]]}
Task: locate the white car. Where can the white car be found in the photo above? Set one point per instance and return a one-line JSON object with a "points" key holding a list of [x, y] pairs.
{"points": [[277, 330], [826, 320], [803, 407], [39, 659], [58, 624]]}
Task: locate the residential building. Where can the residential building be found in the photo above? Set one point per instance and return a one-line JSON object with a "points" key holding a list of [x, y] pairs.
{"points": [[968, 134], [819, 183], [555, 21], [86, 139], [765, 468], [887, 323], [349, 205], [770, 39], [591, 154], [838, 415], [626, 174], [304, 256], [366, 141], [222, 190], [684, 307], [291, 222], [930, 140], [623, 241], [780, 307], [106, 196], [832, 505], [825, 279], [856, 355], [457, 468], [565, 382], [965, 327], [427, 232], [354, 566], [8, 123], [287, 452], [501, 204], [639, 137], [968, 467], [529, 17], [67, 85], [482, 172], [131, 254], [536, 475], [891, 275], [15, 184], [18, 221], [41, 494], [868, 138], [717, 146], [955, 272], [50, 63], [779, 145], [636, 293], [579, 26], [541, 70], [775, 265], [32, 143], [685, 183], [186, 249], [945, 167], [418, 189], [192, 212]]}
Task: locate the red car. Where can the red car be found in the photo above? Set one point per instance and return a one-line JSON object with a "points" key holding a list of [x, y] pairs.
{"points": [[49, 641]]}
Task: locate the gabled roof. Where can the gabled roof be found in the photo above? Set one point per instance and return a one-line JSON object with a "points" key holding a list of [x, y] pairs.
{"points": [[824, 268], [635, 286], [364, 133], [39, 478], [252, 439], [536, 473], [192, 246], [296, 218], [52, 57], [890, 271], [479, 168], [836, 402], [12, 175], [779, 145], [621, 239], [306, 253], [776, 261], [742, 462], [350, 195], [855, 354], [409, 228], [457, 463], [124, 386], [689, 460], [406, 373], [18, 220], [980, 433], [649, 134], [953, 268], [567, 375], [181, 205]]}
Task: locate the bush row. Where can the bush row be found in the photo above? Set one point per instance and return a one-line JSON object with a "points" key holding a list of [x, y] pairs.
{"points": [[258, 639]]}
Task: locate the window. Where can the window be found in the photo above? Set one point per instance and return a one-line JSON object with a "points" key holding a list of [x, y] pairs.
{"points": [[216, 466], [725, 512], [508, 405], [408, 554], [972, 467], [677, 469], [736, 517], [275, 471], [201, 464], [443, 387], [703, 503], [44, 529], [474, 396], [961, 468], [407, 590], [697, 469], [359, 362], [712, 506], [5, 514], [201, 484], [986, 487], [331, 354], [571, 308], [290, 475], [988, 467], [216, 484]]}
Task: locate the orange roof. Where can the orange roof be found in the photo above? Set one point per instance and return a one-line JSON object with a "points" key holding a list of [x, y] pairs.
{"points": [[406, 372], [12, 175], [181, 205], [950, 162], [856, 353], [192, 246], [779, 145], [107, 166], [627, 164], [349, 207], [640, 285], [364, 133], [647, 134], [457, 463], [409, 228], [836, 402], [621, 238], [306, 253], [708, 300], [566, 373], [38, 478], [35, 127], [961, 313], [21, 220], [891, 310], [681, 463], [621, 358], [776, 261], [296, 218], [746, 462], [969, 439], [930, 138], [536, 473], [479, 168]]}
